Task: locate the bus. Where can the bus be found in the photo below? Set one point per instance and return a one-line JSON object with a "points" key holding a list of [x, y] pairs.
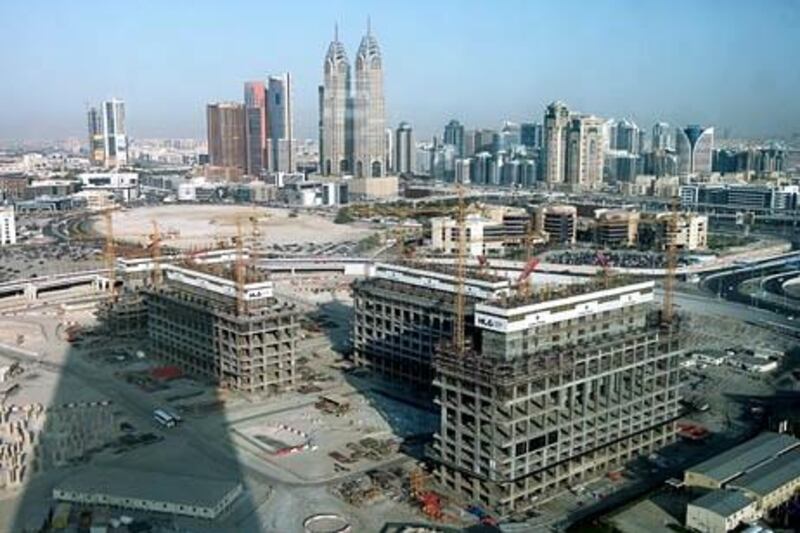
{"points": [[164, 418]]}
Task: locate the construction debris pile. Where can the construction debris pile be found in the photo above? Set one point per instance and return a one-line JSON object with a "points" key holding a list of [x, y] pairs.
{"points": [[368, 448], [35, 439]]}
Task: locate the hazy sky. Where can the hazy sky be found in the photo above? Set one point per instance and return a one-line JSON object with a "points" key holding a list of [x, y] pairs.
{"points": [[732, 64]]}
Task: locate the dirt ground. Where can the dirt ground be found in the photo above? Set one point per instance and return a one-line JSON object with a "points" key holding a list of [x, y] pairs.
{"points": [[193, 226]]}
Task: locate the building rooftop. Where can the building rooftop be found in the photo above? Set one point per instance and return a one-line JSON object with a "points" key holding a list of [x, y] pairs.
{"points": [[745, 456], [568, 291], [771, 476], [723, 502], [154, 486]]}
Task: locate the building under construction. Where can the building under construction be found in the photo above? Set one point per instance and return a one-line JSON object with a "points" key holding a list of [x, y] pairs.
{"points": [[235, 333], [403, 313], [552, 389], [209, 315]]}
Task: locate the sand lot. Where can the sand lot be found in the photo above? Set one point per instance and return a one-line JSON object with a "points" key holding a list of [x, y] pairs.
{"points": [[187, 226]]}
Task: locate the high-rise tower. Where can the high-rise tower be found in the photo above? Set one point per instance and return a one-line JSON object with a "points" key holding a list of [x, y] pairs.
{"points": [[694, 145], [404, 149], [662, 138], [335, 136], [281, 130], [584, 158], [369, 120], [255, 104], [227, 148], [108, 141], [556, 120], [97, 151], [116, 140]]}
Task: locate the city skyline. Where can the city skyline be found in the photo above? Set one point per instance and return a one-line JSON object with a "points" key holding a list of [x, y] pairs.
{"points": [[693, 69]]}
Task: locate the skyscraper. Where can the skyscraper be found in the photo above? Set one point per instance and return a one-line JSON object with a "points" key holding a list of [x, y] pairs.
{"points": [[388, 149], [96, 144], [281, 130], [556, 120], [531, 135], [584, 158], [469, 142], [335, 136], [510, 136], [627, 137], [694, 146], [114, 136], [108, 141], [454, 135], [405, 151], [369, 121], [662, 137], [255, 103], [227, 138]]}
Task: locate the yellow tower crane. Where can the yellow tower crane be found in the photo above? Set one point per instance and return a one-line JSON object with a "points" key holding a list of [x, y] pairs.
{"points": [[110, 254], [459, 341], [672, 261], [240, 269], [155, 255]]}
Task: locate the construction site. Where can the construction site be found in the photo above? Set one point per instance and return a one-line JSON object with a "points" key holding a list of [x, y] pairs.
{"points": [[357, 392]]}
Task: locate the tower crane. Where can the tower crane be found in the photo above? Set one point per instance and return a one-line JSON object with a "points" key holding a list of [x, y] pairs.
{"points": [[110, 254], [240, 269], [459, 341], [155, 254], [672, 262]]}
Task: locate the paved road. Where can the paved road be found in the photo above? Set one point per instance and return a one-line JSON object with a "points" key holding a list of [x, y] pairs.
{"points": [[710, 305]]}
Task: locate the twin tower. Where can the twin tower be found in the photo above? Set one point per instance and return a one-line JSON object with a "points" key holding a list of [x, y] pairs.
{"points": [[352, 124]]}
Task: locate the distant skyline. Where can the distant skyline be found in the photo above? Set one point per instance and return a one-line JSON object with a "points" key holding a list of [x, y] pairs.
{"points": [[729, 64]]}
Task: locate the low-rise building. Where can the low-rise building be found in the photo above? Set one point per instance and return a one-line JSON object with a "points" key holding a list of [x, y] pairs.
{"points": [[747, 482], [485, 236], [721, 469], [616, 227], [365, 189], [13, 186], [150, 491], [97, 200], [315, 193], [199, 189], [52, 187], [751, 363], [8, 227], [709, 357], [773, 483], [720, 511], [687, 231], [124, 185], [558, 222]]}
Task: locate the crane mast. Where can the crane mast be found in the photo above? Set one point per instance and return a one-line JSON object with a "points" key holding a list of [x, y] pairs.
{"points": [[672, 261], [110, 254], [459, 340]]}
